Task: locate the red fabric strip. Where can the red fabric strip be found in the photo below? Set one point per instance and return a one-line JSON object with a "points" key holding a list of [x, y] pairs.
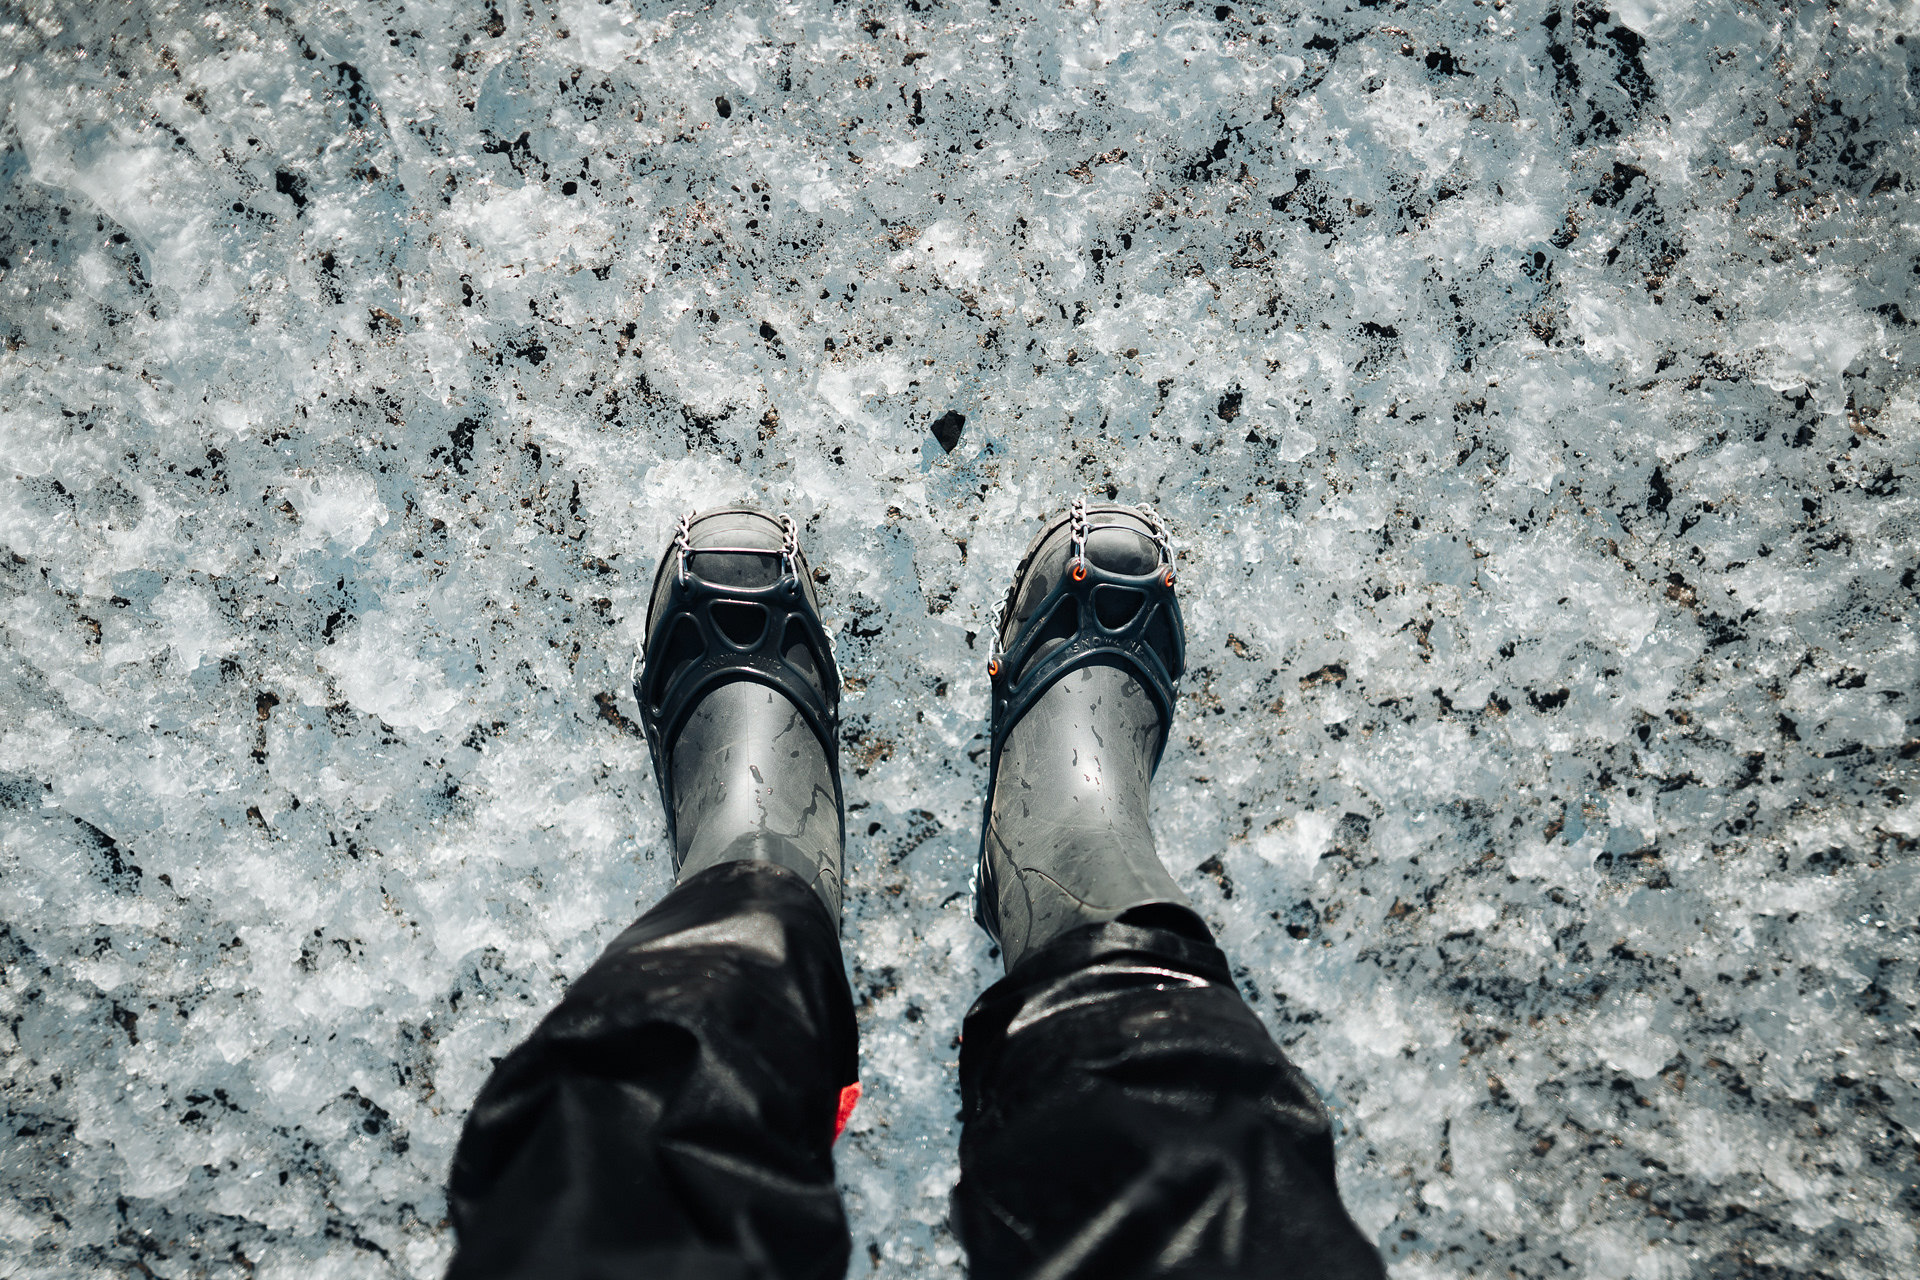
{"points": [[848, 1097]]}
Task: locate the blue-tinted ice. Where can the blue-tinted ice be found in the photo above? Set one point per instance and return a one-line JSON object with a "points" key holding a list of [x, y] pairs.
{"points": [[1529, 387]]}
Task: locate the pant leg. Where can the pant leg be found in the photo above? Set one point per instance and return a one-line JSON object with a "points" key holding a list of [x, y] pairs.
{"points": [[674, 1116], [1126, 1115]]}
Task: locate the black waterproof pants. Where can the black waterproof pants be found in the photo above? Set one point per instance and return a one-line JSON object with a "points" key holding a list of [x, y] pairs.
{"points": [[1125, 1113]]}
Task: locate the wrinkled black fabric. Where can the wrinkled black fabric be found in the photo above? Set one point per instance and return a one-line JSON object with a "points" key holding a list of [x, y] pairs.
{"points": [[674, 1116], [1126, 1114]]}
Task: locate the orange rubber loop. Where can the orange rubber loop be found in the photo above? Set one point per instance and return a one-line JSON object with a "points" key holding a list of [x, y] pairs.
{"points": [[1079, 571]]}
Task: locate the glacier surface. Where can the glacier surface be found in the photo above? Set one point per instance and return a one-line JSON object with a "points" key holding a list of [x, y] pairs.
{"points": [[1528, 385]]}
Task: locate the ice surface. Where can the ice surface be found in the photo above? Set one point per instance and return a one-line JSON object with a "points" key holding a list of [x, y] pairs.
{"points": [[1528, 386]]}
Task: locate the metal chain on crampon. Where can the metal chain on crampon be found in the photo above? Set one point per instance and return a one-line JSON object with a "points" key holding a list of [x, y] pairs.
{"points": [[789, 546], [993, 636], [1162, 537], [683, 541], [1079, 517]]}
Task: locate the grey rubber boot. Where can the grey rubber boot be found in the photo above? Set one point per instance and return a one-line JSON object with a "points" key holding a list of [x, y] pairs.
{"points": [[1086, 689], [740, 697], [750, 781]]}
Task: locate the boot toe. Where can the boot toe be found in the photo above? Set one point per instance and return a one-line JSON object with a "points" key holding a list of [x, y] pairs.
{"points": [[1119, 541]]}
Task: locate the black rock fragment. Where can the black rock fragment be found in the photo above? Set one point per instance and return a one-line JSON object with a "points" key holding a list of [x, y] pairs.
{"points": [[947, 428]]}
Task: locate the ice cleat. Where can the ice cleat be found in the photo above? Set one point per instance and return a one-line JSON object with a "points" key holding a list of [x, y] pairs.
{"points": [[740, 701], [1083, 656]]}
